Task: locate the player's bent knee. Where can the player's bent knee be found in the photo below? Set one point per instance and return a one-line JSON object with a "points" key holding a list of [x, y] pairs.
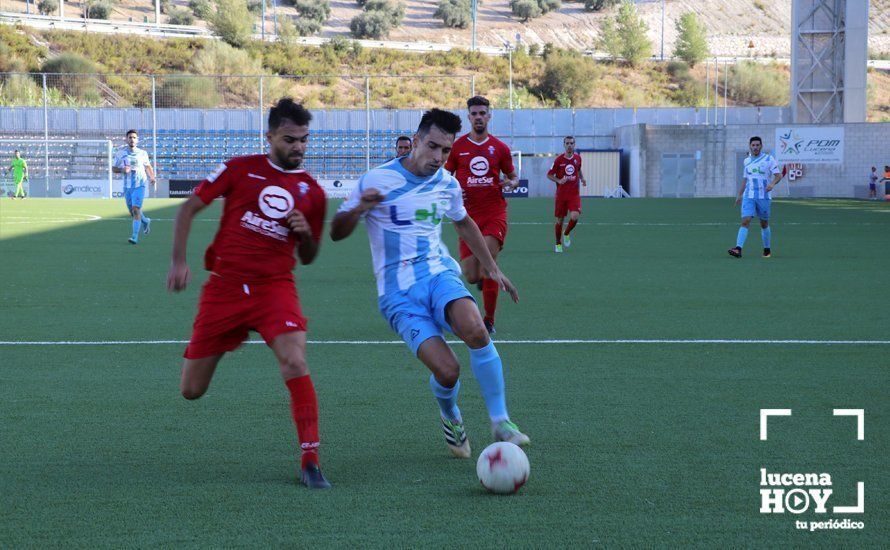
{"points": [[294, 367], [447, 374], [475, 336]]}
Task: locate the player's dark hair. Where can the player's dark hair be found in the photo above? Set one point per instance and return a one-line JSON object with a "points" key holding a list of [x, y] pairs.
{"points": [[131, 132], [478, 100], [755, 138], [402, 138], [446, 121], [287, 109], [568, 137]]}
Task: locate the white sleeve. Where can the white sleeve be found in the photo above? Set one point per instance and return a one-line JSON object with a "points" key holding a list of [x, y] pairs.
{"points": [[456, 210], [774, 166], [119, 158], [354, 198]]}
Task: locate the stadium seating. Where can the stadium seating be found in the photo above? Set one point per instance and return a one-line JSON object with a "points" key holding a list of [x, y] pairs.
{"points": [[192, 154]]}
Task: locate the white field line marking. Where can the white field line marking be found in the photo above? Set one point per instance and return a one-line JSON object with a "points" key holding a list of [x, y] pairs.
{"points": [[533, 342], [30, 220]]}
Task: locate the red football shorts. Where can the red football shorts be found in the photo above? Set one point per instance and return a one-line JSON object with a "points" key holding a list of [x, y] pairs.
{"points": [[569, 203], [229, 310], [493, 225]]}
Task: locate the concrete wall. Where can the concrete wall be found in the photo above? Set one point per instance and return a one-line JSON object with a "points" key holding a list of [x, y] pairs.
{"points": [[717, 151]]}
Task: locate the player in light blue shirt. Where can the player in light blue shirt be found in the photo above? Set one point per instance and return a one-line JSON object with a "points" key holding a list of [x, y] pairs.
{"points": [[133, 163], [760, 174], [419, 289]]}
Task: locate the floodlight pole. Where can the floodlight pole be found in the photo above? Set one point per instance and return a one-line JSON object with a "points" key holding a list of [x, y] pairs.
{"points": [[510, 57], [662, 30], [157, 13], [473, 46]]}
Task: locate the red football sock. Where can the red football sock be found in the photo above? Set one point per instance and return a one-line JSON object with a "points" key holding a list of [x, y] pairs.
{"points": [[490, 290], [304, 408], [572, 224], [558, 233]]}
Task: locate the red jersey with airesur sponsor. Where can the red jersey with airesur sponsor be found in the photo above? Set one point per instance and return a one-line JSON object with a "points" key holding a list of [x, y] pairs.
{"points": [[478, 167], [569, 168], [254, 243]]}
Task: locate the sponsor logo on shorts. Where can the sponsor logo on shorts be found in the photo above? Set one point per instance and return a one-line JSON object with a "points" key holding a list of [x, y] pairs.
{"points": [[414, 333]]}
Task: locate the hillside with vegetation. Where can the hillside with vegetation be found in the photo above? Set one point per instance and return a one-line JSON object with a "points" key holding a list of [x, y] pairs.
{"points": [[542, 77]]}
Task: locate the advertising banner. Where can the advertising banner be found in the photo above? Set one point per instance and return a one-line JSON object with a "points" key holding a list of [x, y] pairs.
{"points": [[810, 144], [85, 189]]}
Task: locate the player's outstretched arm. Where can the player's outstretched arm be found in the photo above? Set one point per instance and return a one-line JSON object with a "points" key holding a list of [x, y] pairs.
{"points": [[344, 222], [178, 277], [738, 197], [469, 232]]}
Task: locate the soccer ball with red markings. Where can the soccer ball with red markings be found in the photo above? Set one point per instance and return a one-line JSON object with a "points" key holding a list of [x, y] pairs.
{"points": [[502, 468]]}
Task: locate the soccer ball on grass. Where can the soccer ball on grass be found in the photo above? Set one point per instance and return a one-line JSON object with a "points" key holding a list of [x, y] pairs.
{"points": [[502, 468]]}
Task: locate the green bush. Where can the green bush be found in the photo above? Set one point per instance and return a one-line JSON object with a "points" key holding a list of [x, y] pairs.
{"points": [[255, 7], [68, 63], [98, 10], [525, 9], [201, 8], [19, 90], [757, 84], [74, 75], [567, 79], [529, 9], [394, 9], [47, 7], [180, 16], [316, 10], [370, 24], [186, 91], [677, 69], [456, 14], [692, 40], [597, 5], [232, 22], [307, 27]]}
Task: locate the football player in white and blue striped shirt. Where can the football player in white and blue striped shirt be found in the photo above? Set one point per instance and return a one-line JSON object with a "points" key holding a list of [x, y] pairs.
{"points": [[419, 289], [133, 163], [760, 174]]}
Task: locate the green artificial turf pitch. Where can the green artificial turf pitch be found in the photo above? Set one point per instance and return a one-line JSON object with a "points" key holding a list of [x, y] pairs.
{"points": [[633, 443]]}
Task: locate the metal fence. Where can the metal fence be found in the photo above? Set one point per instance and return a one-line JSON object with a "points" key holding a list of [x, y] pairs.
{"points": [[190, 123]]}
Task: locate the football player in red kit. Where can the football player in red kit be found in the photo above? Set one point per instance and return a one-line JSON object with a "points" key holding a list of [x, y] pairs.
{"points": [[477, 160], [272, 209], [566, 173]]}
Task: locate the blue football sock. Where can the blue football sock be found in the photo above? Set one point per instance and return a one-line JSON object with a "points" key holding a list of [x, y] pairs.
{"points": [[136, 224], [489, 372], [766, 235], [743, 236], [447, 398]]}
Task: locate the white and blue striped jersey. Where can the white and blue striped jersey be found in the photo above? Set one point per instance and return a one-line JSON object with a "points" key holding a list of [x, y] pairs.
{"points": [[405, 230], [137, 159], [758, 172]]}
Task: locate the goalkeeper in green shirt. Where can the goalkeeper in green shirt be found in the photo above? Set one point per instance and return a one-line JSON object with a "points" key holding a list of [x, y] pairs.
{"points": [[19, 169]]}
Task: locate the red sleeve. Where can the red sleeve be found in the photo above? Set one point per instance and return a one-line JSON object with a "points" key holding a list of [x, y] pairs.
{"points": [[552, 171], [451, 163], [506, 160], [316, 215], [216, 184]]}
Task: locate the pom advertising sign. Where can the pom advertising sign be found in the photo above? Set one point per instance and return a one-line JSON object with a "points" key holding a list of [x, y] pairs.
{"points": [[810, 144]]}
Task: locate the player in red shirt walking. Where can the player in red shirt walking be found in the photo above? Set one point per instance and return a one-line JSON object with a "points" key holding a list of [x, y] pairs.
{"points": [[566, 173], [477, 160], [271, 208]]}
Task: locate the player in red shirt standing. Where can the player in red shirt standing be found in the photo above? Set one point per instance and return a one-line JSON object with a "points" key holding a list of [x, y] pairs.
{"points": [[477, 160], [271, 209], [566, 173]]}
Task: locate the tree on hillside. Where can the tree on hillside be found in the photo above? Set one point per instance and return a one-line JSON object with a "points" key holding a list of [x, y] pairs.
{"points": [[626, 35], [692, 43], [232, 22], [597, 5], [529, 9], [378, 18], [456, 14]]}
